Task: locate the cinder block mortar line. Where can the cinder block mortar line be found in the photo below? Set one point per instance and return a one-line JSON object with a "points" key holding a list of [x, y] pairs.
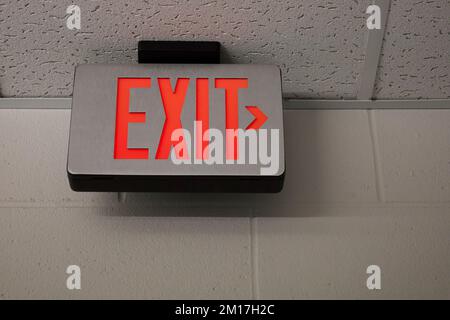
{"points": [[300, 206], [329, 210], [254, 257], [377, 163]]}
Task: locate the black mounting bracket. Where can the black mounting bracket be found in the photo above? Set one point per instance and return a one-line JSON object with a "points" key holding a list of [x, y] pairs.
{"points": [[185, 52]]}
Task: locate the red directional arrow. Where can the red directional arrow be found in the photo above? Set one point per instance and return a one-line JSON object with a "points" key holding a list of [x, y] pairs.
{"points": [[260, 118]]}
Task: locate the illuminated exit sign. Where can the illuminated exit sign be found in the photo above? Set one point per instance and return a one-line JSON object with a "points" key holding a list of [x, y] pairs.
{"points": [[173, 127]]}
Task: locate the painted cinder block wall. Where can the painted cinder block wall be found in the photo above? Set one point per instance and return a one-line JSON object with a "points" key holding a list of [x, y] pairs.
{"points": [[362, 187]]}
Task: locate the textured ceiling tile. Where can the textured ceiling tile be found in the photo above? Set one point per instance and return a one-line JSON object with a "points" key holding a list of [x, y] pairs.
{"points": [[416, 51], [319, 45]]}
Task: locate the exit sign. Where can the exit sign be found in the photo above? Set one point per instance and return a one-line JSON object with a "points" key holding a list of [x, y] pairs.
{"points": [[173, 127]]}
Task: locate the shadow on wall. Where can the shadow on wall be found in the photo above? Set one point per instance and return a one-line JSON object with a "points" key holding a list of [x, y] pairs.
{"points": [[307, 181]]}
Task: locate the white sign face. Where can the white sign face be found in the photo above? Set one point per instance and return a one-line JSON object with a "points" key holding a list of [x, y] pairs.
{"points": [[157, 122]]}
